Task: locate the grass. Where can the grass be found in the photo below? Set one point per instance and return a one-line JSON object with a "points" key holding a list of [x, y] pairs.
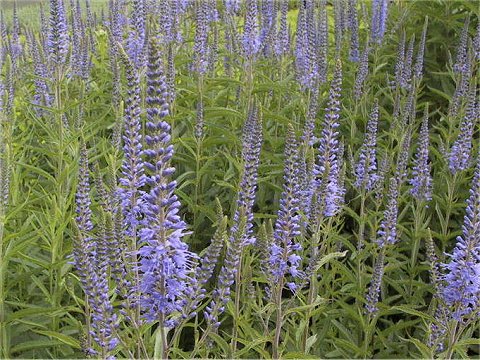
{"points": [[28, 10]]}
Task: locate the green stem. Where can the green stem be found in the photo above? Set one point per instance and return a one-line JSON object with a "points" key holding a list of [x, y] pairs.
{"points": [[161, 343], [60, 205], [3, 321], [361, 244], [279, 320], [313, 281], [452, 341], [236, 315], [361, 230], [368, 335], [450, 201], [198, 154]]}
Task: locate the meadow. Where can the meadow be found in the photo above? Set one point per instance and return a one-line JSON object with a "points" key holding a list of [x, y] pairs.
{"points": [[239, 179]]}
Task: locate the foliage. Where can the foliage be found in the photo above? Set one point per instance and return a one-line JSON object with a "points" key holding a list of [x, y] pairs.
{"points": [[216, 137]]}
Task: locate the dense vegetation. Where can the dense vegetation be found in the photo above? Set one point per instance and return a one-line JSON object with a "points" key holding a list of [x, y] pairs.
{"points": [[257, 179]]}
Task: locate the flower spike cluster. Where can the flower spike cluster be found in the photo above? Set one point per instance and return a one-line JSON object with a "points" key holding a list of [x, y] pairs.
{"points": [[58, 33], [241, 230], [327, 188], [284, 258], [200, 47], [93, 274], [461, 291], [379, 20], [166, 264], [251, 36], [133, 177]]}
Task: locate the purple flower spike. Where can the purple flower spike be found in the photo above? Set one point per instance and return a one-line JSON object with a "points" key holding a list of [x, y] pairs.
{"points": [[309, 126], [366, 167], [327, 189], [16, 48], [461, 90], [283, 250], [252, 144], [353, 20], [406, 76], [375, 283], [93, 274], [136, 41], [339, 25], [200, 47], [42, 92], [84, 213], [388, 227], [133, 177], [212, 253], [166, 264], [171, 73], [422, 180], [400, 61], [232, 6], [241, 230], [251, 36], [283, 41], [306, 64], [403, 157], [362, 74], [418, 67], [461, 291], [461, 60], [459, 157], [322, 43], [379, 20], [58, 33]]}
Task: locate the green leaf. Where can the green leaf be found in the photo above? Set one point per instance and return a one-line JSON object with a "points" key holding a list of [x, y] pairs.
{"points": [[298, 309], [298, 355], [34, 344], [68, 340], [221, 343], [425, 350], [408, 310], [310, 342], [329, 257]]}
